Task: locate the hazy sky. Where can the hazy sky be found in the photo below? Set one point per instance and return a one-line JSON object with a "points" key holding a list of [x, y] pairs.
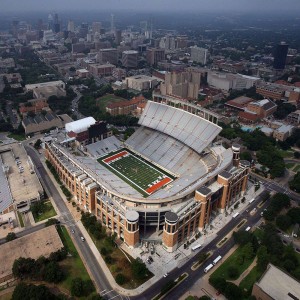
{"points": [[153, 5]]}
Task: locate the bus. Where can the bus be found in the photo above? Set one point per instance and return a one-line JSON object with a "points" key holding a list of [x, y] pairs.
{"points": [[196, 247], [217, 260], [235, 215], [248, 228], [208, 268], [251, 200]]}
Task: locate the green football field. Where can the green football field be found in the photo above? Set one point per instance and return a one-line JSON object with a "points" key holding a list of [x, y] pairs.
{"points": [[138, 173]]}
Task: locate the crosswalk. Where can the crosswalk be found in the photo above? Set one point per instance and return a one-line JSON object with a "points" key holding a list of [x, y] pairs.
{"points": [[271, 186], [111, 294]]}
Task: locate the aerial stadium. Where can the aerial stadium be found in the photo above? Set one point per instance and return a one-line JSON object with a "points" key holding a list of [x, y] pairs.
{"points": [[164, 184]]}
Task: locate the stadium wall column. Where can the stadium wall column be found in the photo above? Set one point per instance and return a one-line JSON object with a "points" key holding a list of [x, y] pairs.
{"points": [[223, 202], [131, 232], [204, 199], [170, 232]]}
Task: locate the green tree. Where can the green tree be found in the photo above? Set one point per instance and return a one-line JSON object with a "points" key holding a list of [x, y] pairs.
{"points": [[204, 298], [139, 269], [22, 267], [283, 222], [248, 251], [51, 221], [294, 214], [10, 236], [233, 292], [295, 183], [120, 279], [218, 283], [37, 144], [53, 272], [262, 258], [233, 272], [32, 292], [77, 287]]}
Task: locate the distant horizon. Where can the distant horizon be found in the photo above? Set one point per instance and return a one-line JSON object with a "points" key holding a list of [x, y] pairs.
{"points": [[195, 6]]}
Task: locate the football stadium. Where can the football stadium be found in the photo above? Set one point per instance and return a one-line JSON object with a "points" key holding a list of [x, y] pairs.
{"points": [[163, 184]]}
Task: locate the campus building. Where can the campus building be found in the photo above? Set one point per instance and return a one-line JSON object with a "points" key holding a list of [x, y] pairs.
{"points": [[125, 107], [276, 284], [164, 184]]}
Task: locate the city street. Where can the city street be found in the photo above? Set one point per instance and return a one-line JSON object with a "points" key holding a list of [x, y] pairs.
{"points": [[99, 276], [89, 259]]}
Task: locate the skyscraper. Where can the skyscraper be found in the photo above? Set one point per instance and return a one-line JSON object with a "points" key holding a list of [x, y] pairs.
{"points": [[280, 55], [112, 23]]}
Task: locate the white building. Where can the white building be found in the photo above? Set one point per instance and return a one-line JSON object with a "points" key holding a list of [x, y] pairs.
{"points": [[199, 55], [228, 81], [140, 82]]}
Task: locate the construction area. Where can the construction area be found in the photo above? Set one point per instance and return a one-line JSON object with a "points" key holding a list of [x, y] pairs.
{"points": [[40, 243]]}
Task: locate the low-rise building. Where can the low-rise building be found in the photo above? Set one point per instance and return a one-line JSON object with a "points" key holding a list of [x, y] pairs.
{"points": [[276, 284], [87, 130], [125, 107], [82, 73], [101, 69], [228, 81], [263, 108], [283, 132], [155, 55], [130, 59], [34, 105], [140, 82], [19, 184], [239, 103], [294, 117], [13, 77], [269, 91], [41, 122]]}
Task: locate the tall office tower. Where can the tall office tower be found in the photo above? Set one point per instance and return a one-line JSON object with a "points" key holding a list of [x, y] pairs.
{"points": [[83, 30], [56, 25], [280, 55], [71, 26], [199, 55], [144, 26], [118, 36], [112, 23], [39, 25], [96, 27], [50, 21], [130, 59], [155, 55]]}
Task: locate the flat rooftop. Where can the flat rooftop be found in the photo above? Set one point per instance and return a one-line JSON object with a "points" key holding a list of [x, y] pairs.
{"points": [[40, 243], [279, 285], [23, 185]]}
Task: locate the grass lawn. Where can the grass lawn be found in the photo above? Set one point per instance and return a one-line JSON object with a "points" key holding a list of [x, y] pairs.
{"points": [[49, 213], [231, 261], [247, 283], [289, 165], [285, 154], [20, 219], [297, 168], [73, 264], [119, 263], [17, 137], [102, 102], [258, 233]]}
